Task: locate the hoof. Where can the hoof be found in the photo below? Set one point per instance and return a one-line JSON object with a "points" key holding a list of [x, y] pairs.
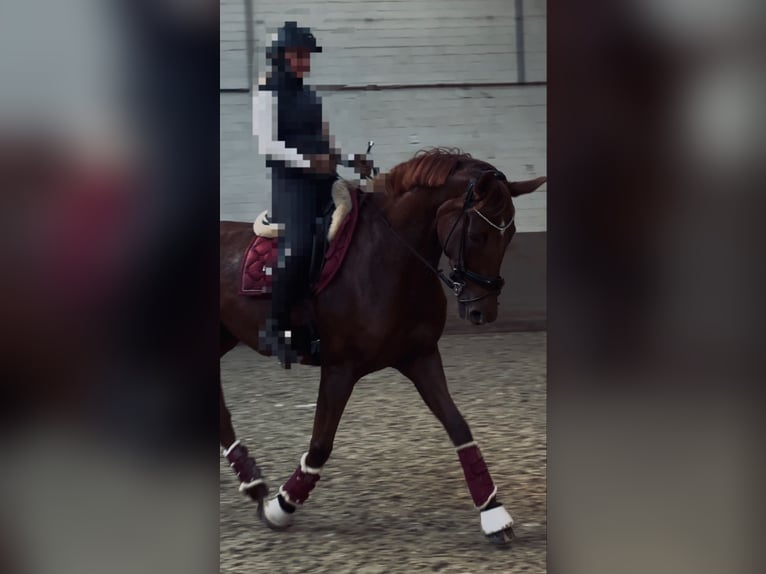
{"points": [[497, 525], [257, 490], [274, 516], [502, 538]]}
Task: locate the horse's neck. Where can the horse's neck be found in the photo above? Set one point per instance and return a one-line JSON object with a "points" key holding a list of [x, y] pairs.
{"points": [[379, 256], [413, 219]]}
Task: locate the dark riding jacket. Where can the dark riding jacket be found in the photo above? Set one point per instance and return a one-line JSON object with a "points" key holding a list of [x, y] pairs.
{"points": [[298, 124]]}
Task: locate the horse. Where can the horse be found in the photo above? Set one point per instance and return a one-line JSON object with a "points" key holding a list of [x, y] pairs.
{"points": [[386, 308]]}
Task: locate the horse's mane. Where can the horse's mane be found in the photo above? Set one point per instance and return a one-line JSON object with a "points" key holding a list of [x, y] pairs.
{"points": [[432, 168], [429, 168]]}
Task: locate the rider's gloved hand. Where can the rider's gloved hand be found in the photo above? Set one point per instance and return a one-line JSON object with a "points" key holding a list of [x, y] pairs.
{"points": [[362, 165], [323, 163]]}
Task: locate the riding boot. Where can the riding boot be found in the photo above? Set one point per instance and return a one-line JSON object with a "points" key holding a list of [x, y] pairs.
{"points": [[276, 341], [294, 205], [286, 355]]}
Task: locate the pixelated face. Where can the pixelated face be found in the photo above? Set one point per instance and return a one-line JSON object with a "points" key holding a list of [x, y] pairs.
{"points": [[298, 61]]}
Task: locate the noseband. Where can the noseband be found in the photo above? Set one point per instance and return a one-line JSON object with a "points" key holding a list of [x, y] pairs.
{"points": [[460, 274]]}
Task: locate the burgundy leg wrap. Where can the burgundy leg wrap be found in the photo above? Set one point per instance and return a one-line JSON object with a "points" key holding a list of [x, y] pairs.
{"points": [[477, 476], [243, 464], [299, 485]]}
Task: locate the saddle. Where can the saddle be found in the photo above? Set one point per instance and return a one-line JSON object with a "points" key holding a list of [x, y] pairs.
{"points": [[332, 237]]}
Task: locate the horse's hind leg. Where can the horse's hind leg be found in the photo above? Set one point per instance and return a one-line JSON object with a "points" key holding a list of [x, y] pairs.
{"points": [[250, 480], [427, 373], [335, 389]]}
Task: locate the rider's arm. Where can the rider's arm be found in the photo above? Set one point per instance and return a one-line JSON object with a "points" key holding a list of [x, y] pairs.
{"points": [[264, 106], [346, 160]]}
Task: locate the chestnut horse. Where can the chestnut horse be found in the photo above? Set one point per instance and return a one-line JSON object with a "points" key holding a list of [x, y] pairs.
{"points": [[386, 308]]}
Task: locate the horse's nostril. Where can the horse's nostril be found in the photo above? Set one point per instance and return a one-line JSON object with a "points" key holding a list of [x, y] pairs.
{"points": [[476, 317]]}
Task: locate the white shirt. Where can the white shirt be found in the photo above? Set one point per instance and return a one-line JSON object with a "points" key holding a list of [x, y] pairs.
{"points": [[265, 130]]}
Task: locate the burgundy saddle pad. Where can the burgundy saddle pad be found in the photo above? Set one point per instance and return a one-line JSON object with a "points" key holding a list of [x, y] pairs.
{"points": [[260, 260]]}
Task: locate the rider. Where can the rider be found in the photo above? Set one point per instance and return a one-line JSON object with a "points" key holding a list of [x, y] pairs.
{"points": [[287, 119]]}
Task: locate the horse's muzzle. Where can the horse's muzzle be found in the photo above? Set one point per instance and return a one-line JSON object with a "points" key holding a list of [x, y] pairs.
{"points": [[479, 312], [476, 317]]}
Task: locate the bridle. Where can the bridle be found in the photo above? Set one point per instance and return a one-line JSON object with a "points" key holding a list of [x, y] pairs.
{"points": [[460, 274]]}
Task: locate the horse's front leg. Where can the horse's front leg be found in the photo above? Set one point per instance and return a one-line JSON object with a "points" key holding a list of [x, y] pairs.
{"points": [[427, 373], [335, 389]]}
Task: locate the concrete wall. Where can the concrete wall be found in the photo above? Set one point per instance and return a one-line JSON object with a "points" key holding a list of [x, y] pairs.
{"points": [[397, 41], [233, 45]]}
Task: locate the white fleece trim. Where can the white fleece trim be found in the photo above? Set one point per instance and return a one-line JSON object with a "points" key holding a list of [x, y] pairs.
{"points": [[264, 128], [263, 229], [341, 196], [490, 497], [231, 448], [495, 520], [308, 469], [466, 445], [286, 496]]}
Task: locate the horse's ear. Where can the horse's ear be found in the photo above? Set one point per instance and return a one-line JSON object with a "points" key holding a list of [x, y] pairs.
{"points": [[521, 187]]}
